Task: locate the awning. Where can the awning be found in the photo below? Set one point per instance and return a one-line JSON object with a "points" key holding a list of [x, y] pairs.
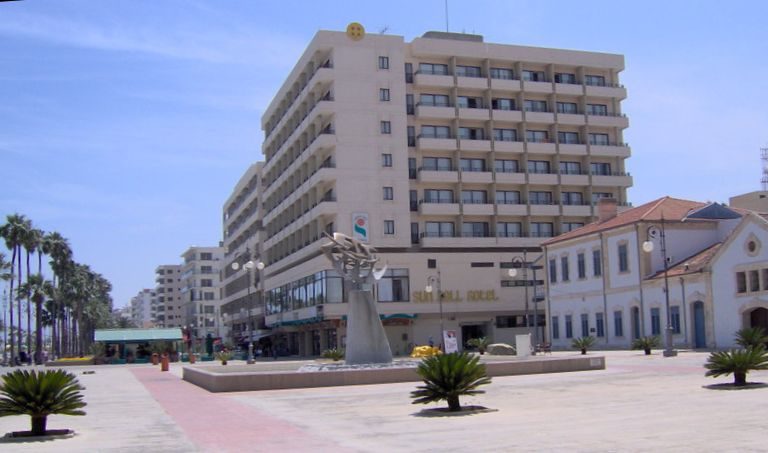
{"points": [[392, 316], [137, 335]]}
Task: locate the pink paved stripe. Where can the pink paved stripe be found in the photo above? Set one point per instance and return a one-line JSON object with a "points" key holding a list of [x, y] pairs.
{"points": [[217, 423]]}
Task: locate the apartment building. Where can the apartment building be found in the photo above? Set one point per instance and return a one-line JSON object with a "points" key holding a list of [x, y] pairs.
{"points": [[454, 157], [199, 290], [143, 312], [168, 304]]}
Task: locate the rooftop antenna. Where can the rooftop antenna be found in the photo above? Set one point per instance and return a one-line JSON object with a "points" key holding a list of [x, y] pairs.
{"points": [[446, 16], [764, 157]]}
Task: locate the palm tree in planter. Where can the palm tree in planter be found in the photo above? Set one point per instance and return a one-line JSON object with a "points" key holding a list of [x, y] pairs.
{"points": [[583, 343], [334, 353], [448, 376], [737, 362], [480, 343], [40, 394], [646, 344], [751, 337], [224, 356]]}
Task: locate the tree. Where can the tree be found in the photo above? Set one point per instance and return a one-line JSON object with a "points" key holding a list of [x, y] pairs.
{"points": [[30, 243], [40, 394], [448, 376], [583, 343], [13, 232], [57, 248], [751, 337], [38, 289], [737, 362]]}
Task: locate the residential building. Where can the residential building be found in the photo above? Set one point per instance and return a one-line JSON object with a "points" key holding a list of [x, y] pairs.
{"points": [[141, 308], [199, 289], [168, 304], [453, 157], [609, 279], [754, 201]]}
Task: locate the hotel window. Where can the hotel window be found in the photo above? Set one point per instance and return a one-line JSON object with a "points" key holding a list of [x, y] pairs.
{"points": [[561, 77], [503, 104], [555, 328], [509, 229], [597, 263], [674, 318], [434, 100], [581, 266], [435, 131], [383, 62], [600, 168], [567, 107], [534, 76], [599, 323], [432, 68], [468, 102], [384, 94], [538, 166], [754, 281], [568, 138], [206, 282], [598, 139], [570, 226], [468, 71], [552, 270], [411, 133], [741, 282], [568, 326], [393, 286], [437, 164], [389, 227], [502, 73], [598, 195], [572, 198], [386, 127], [584, 325], [388, 193], [618, 324], [439, 229], [475, 229], [542, 229], [597, 109], [539, 197], [537, 136], [623, 258], [471, 133], [535, 106], [570, 168], [507, 197], [474, 197], [505, 135], [565, 268], [655, 321], [505, 166], [472, 164], [386, 160], [594, 80], [438, 196]]}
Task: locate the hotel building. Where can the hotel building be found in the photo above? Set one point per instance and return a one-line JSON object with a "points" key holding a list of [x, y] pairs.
{"points": [[143, 311], [199, 289], [168, 296], [454, 157]]}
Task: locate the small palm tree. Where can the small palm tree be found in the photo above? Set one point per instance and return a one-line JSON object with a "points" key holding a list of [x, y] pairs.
{"points": [[739, 362], [333, 353], [751, 337], [583, 343], [480, 343], [646, 344], [40, 394], [448, 376], [223, 356]]}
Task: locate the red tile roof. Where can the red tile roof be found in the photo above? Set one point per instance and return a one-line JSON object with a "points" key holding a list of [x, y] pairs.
{"points": [[690, 265], [673, 209]]}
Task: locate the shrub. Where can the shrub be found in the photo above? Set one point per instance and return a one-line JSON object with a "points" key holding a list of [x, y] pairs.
{"points": [[223, 356], [751, 337], [583, 343], [448, 376], [334, 353], [739, 362], [40, 394], [646, 344], [479, 343]]}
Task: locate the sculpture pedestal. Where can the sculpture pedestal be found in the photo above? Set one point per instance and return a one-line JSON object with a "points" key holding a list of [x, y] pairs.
{"points": [[366, 340]]}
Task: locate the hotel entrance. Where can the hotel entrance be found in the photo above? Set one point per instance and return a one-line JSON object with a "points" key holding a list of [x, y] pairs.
{"points": [[470, 331]]}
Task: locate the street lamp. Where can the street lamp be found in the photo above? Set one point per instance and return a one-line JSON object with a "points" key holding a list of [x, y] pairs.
{"points": [[247, 267], [660, 233], [513, 273], [432, 279], [522, 263]]}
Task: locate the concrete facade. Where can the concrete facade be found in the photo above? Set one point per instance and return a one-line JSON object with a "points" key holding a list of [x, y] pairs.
{"points": [[142, 310], [168, 296], [200, 291], [754, 201]]}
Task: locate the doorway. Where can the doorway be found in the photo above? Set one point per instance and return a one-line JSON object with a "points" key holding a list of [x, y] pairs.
{"points": [[471, 331], [699, 330], [759, 318]]}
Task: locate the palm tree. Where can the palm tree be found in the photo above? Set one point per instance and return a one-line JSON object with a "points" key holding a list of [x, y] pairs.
{"points": [[737, 362], [57, 247], [13, 232], [751, 337], [583, 343], [38, 289], [30, 243], [5, 275], [40, 394], [448, 376]]}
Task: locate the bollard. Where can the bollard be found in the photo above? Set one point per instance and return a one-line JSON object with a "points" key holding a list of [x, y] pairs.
{"points": [[155, 358], [164, 363]]}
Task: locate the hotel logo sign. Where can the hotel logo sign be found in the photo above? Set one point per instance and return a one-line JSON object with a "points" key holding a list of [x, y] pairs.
{"points": [[360, 226]]}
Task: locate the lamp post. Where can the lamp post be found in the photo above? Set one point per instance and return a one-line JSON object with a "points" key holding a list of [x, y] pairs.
{"points": [[432, 279], [660, 233], [247, 267], [525, 265]]}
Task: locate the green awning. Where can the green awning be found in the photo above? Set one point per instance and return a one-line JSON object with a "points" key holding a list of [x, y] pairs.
{"points": [[137, 335]]}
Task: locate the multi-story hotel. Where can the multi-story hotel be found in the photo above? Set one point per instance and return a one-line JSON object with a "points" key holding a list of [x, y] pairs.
{"points": [[454, 157], [143, 312], [199, 289], [168, 296]]}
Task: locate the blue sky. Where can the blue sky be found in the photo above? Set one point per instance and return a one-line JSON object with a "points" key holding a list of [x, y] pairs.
{"points": [[124, 124]]}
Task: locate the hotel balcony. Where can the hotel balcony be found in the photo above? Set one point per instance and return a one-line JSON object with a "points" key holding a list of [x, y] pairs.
{"points": [[510, 178], [577, 210], [616, 150], [574, 180], [542, 178], [440, 176], [607, 91], [433, 80], [506, 84], [475, 145], [430, 241], [484, 209], [431, 208], [436, 144], [545, 210], [513, 116], [569, 88], [474, 114], [518, 241], [573, 149], [540, 117], [571, 119], [512, 209], [435, 111], [619, 121], [537, 87], [614, 180], [542, 148], [509, 146], [481, 177], [480, 83]]}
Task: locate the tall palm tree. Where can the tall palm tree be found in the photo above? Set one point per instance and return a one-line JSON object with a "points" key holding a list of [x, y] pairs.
{"points": [[30, 243], [5, 275], [38, 288], [13, 232], [57, 247]]}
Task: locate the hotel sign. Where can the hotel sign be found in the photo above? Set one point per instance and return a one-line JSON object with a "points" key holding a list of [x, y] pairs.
{"points": [[360, 226], [456, 296]]}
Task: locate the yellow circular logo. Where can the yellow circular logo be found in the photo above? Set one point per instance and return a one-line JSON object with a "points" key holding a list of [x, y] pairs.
{"points": [[355, 31]]}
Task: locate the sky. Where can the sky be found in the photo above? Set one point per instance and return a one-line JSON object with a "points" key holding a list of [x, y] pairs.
{"points": [[125, 124]]}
